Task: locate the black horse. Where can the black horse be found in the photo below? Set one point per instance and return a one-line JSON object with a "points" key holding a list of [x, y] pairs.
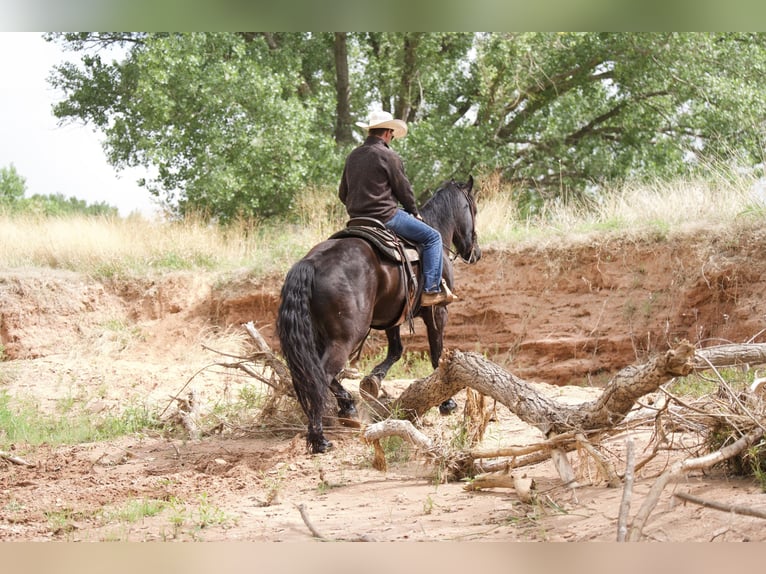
{"points": [[343, 287]]}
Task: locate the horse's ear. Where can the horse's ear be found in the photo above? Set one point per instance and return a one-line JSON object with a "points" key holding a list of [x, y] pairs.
{"points": [[469, 183]]}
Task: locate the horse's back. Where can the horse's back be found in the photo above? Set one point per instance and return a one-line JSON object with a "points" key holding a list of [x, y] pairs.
{"points": [[352, 281]]}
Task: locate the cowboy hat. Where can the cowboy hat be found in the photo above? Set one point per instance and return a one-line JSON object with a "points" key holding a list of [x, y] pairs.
{"points": [[380, 119]]}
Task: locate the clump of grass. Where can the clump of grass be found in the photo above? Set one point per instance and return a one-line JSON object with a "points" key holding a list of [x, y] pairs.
{"points": [[23, 422], [133, 510], [414, 365], [197, 515]]}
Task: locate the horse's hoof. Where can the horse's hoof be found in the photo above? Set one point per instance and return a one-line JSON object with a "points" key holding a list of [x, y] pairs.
{"points": [[321, 446], [447, 407], [370, 386]]}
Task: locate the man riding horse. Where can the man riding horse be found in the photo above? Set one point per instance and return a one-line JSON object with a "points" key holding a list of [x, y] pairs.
{"points": [[374, 184]]}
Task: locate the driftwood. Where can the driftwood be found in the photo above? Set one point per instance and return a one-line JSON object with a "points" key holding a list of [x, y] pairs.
{"points": [[564, 424]]}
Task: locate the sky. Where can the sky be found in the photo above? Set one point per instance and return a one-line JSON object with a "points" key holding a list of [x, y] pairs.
{"points": [[66, 159]]}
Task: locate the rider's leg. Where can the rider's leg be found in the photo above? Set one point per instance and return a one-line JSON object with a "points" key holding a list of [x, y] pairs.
{"points": [[409, 227]]}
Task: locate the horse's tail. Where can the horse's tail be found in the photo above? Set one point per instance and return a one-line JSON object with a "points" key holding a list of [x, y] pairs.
{"points": [[298, 338]]}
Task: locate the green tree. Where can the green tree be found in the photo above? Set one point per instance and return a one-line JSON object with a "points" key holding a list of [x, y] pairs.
{"points": [[562, 112], [226, 120], [12, 187], [59, 205], [238, 123]]}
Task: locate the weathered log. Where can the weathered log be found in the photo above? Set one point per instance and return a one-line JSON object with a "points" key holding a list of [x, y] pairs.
{"points": [[730, 356], [460, 370]]}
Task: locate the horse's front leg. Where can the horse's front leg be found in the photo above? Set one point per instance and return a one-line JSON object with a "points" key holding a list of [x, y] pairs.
{"points": [[371, 383], [435, 319]]}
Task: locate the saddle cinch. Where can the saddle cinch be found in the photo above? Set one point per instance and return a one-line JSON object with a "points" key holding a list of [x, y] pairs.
{"points": [[393, 247]]}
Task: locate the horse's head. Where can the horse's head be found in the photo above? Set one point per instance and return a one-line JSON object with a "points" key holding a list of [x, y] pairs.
{"points": [[452, 211]]}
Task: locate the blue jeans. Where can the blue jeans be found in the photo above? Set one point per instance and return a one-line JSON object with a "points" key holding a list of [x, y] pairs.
{"points": [[411, 228]]}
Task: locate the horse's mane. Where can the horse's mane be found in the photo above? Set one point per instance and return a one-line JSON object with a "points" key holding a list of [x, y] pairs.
{"points": [[442, 201]]}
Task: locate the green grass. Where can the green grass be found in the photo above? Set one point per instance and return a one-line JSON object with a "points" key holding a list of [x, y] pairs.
{"points": [[699, 385], [134, 510], [21, 421], [410, 366]]}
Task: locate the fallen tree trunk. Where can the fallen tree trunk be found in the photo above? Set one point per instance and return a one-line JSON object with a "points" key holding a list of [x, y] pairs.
{"points": [[460, 370]]}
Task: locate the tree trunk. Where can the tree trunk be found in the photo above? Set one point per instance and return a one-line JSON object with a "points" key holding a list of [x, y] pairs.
{"points": [[343, 133]]}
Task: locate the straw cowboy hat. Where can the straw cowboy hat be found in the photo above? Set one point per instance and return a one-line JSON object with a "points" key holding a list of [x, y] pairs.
{"points": [[380, 119]]}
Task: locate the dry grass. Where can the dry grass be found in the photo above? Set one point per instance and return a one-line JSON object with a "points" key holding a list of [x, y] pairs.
{"points": [[632, 210], [134, 246]]}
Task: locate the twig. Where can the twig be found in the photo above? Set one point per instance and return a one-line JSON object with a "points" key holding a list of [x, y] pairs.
{"points": [[606, 468], [15, 459], [257, 337], [186, 384], [305, 516], [733, 508], [627, 493], [722, 382]]}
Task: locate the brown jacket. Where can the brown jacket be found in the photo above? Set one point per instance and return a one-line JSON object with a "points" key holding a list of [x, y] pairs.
{"points": [[373, 182]]}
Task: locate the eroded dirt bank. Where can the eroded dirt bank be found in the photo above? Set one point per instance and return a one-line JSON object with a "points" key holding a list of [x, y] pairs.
{"points": [[561, 315]]}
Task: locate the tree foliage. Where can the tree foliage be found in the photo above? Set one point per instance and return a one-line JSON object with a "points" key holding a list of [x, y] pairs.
{"points": [[12, 186], [236, 123]]}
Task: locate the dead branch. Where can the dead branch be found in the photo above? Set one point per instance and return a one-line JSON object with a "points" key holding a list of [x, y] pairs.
{"points": [[188, 413], [733, 508], [514, 451], [733, 355], [305, 516], [627, 492], [699, 463], [15, 459], [524, 486], [605, 466], [400, 428]]}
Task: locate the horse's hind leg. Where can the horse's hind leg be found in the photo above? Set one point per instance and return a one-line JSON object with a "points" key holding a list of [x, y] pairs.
{"points": [[372, 382], [316, 438], [347, 413]]}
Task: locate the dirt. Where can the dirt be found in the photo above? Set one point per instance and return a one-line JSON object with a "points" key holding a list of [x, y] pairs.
{"points": [[565, 316]]}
